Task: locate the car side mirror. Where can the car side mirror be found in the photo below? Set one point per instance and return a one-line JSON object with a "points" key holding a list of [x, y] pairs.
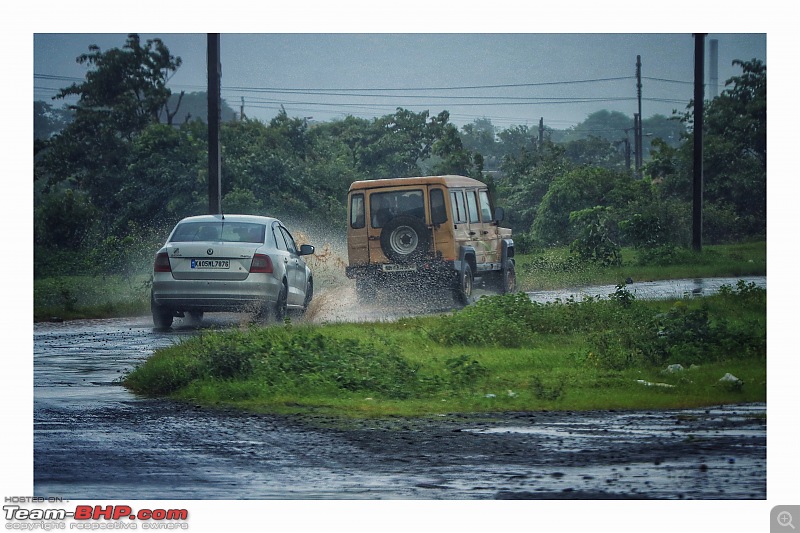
{"points": [[499, 214], [306, 249]]}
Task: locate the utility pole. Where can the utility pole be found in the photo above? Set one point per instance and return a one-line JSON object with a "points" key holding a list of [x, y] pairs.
{"points": [[214, 117], [699, 96], [639, 143], [241, 110], [541, 132]]}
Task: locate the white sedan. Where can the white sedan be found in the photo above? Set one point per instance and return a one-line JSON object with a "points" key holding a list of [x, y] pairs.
{"points": [[230, 263]]}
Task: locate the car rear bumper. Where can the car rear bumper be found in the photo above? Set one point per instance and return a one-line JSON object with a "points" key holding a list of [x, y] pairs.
{"points": [[214, 295]]}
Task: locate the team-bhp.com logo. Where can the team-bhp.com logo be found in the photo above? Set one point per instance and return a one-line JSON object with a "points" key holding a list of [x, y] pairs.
{"points": [[95, 517]]}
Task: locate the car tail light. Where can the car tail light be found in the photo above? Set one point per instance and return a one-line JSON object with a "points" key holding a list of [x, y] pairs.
{"points": [[161, 263], [261, 264]]}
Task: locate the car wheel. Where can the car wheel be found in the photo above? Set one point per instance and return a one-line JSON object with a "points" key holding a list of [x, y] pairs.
{"points": [[509, 278], [162, 318], [309, 295], [281, 304], [465, 283], [404, 239]]}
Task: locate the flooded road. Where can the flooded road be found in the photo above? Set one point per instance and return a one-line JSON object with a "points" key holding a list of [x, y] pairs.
{"points": [[95, 440]]}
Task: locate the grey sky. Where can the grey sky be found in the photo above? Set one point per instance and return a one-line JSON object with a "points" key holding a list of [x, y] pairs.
{"points": [[565, 77]]}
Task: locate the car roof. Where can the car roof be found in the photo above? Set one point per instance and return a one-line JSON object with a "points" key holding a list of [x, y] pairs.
{"points": [[449, 180], [230, 218]]}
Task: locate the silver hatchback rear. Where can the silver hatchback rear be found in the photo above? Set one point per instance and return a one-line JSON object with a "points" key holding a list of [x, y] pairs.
{"points": [[229, 263]]}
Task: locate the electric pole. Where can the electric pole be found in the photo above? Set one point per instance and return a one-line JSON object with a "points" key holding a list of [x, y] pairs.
{"points": [[214, 159], [638, 131], [541, 132], [699, 97]]}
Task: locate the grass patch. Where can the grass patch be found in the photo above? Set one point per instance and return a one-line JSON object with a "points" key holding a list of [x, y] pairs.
{"points": [[556, 268], [72, 297], [504, 353]]}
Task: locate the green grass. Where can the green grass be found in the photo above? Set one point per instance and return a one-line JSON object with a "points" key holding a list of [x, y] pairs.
{"points": [[555, 269], [72, 297], [567, 356]]}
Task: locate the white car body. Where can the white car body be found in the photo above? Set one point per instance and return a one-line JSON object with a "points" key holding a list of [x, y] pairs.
{"points": [[229, 263]]}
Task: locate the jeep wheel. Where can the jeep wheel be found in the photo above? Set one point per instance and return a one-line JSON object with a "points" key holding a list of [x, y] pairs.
{"points": [[404, 239], [465, 283], [509, 274]]}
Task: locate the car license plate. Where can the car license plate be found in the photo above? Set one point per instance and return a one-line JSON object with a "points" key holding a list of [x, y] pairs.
{"points": [[201, 264], [399, 268]]}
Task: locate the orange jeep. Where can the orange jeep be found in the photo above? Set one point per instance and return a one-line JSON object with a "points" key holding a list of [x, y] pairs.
{"points": [[436, 231]]}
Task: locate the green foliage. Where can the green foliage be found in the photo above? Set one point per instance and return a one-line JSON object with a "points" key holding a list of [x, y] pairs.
{"points": [[492, 321], [579, 189], [686, 333], [547, 392], [288, 358], [60, 218], [586, 355], [464, 371], [595, 242], [125, 86], [734, 169]]}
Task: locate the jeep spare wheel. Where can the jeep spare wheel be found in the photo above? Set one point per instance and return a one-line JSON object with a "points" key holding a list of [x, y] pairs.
{"points": [[404, 239]]}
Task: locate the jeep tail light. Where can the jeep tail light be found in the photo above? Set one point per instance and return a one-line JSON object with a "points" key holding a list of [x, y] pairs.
{"points": [[161, 263], [261, 264]]}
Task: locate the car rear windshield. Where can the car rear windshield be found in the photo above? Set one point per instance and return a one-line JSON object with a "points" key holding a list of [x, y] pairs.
{"points": [[219, 232]]}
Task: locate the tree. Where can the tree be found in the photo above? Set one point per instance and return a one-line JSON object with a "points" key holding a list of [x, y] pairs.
{"points": [[47, 120], [480, 137], [581, 188], [455, 159], [192, 106], [123, 93], [126, 87], [594, 151], [735, 158]]}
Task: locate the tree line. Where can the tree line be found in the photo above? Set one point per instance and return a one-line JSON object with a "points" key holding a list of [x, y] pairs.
{"points": [[118, 168]]}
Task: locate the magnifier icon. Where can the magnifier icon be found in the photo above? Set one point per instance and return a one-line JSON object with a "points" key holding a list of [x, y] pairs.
{"points": [[785, 519]]}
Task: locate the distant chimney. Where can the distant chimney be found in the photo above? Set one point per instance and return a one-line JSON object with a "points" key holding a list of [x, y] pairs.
{"points": [[713, 68]]}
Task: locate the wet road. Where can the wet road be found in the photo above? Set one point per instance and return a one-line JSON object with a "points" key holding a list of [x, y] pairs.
{"points": [[95, 440]]}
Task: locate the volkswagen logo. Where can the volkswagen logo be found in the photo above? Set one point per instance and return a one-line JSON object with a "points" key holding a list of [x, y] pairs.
{"points": [[210, 251]]}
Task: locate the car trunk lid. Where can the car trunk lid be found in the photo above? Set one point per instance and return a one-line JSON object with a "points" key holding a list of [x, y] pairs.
{"points": [[211, 260]]}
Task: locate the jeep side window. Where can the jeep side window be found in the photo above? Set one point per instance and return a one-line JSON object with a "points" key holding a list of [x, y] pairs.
{"points": [[472, 206], [457, 206], [486, 208], [357, 218], [438, 210]]}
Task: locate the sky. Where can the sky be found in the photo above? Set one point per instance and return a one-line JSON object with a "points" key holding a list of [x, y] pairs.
{"points": [[510, 78]]}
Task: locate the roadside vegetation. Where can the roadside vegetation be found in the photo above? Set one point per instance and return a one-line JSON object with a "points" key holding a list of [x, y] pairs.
{"points": [[127, 293], [504, 353]]}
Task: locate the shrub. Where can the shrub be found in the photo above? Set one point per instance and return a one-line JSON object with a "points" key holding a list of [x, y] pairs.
{"points": [[596, 240]]}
